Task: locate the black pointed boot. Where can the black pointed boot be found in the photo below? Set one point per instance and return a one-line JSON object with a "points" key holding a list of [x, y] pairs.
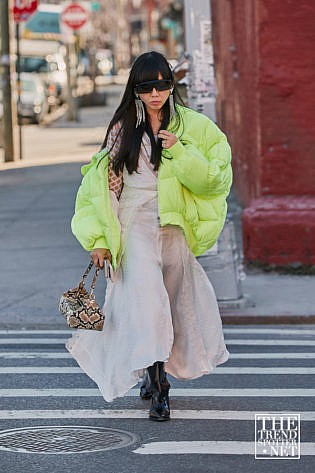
{"points": [[160, 408], [145, 387]]}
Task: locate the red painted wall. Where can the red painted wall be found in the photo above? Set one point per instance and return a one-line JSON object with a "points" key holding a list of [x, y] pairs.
{"points": [[265, 69], [286, 32], [236, 69]]}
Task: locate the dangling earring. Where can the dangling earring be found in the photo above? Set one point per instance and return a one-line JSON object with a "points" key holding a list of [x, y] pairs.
{"points": [[139, 110], [172, 105]]}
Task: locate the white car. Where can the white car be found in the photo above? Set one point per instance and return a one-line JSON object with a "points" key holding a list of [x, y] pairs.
{"points": [[33, 101], [51, 68]]}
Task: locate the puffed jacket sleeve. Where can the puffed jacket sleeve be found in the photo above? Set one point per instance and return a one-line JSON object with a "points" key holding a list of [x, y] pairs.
{"points": [[95, 221], [85, 223], [205, 167]]}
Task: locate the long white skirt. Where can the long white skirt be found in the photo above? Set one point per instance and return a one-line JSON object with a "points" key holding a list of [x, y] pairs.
{"points": [[161, 307]]}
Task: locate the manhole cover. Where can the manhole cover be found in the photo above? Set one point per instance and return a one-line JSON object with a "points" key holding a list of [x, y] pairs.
{"points": [[64, 439]]}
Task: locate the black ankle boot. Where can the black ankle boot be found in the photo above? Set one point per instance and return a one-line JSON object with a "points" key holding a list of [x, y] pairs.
{"points": [[145, 387], [160, 408]]}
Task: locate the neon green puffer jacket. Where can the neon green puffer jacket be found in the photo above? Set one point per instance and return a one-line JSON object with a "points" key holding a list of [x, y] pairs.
{"points": [[192, 189]]}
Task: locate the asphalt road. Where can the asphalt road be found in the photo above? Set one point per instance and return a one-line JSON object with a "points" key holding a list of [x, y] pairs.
{"points": [[271, 369]]}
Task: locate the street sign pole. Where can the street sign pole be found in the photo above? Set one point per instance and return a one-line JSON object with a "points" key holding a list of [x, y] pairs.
{"points": [[72, 112], [8, 138], [74, 16], [18, 83], [22, 11]]}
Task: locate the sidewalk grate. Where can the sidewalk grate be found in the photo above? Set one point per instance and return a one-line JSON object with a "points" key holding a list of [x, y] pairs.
{"points": [[64, 439]]}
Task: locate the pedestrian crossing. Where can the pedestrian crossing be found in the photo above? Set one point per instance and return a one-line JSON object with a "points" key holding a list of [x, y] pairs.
{"points": [[259, 358], [241, 341], [219, 370], [233, 356], [204, 414], [185, 392]]}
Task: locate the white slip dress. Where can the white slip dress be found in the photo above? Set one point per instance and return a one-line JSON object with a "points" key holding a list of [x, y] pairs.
{"points": [[160, 305]]}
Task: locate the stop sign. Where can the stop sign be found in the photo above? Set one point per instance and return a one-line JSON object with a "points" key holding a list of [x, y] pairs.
{"points": [[23, 9], [74, 16]]}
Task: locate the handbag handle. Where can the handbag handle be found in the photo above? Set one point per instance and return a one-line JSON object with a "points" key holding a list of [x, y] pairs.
{"points": [[82, 282]]}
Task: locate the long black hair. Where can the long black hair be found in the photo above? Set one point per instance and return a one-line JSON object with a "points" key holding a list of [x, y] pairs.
{"points": [[146, 67]]}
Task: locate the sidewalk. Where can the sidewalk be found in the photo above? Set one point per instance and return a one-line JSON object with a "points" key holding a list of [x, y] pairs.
{"points": [[62, 141], [40, 258]]}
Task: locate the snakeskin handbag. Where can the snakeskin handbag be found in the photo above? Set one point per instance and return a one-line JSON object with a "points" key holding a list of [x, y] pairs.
{"points": [[79, 307]]}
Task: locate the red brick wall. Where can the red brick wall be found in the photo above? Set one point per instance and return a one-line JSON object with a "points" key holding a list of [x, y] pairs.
{"points": [[265, 69], [287, 100]]}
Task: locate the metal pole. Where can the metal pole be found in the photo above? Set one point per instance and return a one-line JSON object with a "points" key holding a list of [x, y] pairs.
{"points": [[221, 262], [70, 111], [6, 75], [18, 67], [72, 114], [200, 92]]}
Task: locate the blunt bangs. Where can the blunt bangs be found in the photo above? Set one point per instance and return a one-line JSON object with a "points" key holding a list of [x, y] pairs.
{"points": [[148, 66]]}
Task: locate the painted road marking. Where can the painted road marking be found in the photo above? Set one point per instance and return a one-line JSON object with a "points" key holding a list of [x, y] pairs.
{"points": [[273, 342], [37, 332], [308, 416], [37, 354], [228, 370], [236, 341], [176, 392], [280, 331], [65, 354], [210, 447], [32, 341], [271, 331], [263, 356]]}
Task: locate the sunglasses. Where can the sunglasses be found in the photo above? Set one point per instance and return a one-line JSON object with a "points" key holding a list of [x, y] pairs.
{"points": [[146, 87]]}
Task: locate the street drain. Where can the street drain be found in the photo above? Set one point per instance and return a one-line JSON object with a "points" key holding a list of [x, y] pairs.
{"points": [[64, 439]]}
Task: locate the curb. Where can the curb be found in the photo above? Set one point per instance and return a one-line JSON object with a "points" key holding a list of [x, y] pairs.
{"points": [[47, 162]]}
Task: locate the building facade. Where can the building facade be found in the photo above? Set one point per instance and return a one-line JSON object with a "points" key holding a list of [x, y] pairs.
{"points": [[265, 66]]}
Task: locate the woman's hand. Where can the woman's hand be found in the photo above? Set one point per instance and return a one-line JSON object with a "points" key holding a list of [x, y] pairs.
{"points": [[98, 255], [168, 138]]}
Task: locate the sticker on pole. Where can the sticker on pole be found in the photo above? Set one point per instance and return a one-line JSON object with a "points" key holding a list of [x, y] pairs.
{"points": [[23, 9], [74, 16]]}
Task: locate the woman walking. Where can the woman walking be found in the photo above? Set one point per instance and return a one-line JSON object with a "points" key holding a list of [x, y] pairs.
{"points": [[150, 201]]}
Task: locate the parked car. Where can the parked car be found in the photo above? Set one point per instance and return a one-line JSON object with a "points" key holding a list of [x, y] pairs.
{"points": [[33, 101], [52, 70]]}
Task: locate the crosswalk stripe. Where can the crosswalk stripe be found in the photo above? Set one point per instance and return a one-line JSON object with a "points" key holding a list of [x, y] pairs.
{"points": [[37, 332], [273, 342], [263, 356], [209, 447], [306, 416], [177, 392], [32, 341], [236, 341], [269, 331], [264, 370], [300, 370], [233, 330], [62, 355], [36, 354]]}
